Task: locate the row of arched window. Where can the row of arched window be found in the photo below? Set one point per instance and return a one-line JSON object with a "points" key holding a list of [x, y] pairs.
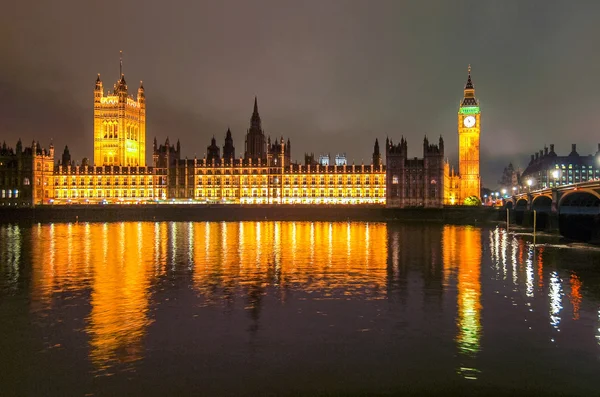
{"points": [[111, 131]]}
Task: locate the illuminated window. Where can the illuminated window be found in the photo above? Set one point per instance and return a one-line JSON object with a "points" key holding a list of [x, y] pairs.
{"points": [[395, 179]]}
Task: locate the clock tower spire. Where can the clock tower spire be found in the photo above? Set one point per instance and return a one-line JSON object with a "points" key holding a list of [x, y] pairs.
{"points": [[469, 129]]}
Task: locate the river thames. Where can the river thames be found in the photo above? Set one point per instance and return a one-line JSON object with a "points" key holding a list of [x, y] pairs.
{"points": [[289, 308]]}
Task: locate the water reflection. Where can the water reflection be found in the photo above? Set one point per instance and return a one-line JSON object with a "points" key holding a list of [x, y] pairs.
{"points": [[115, 273], [125, 278], [10, 256], [462, 256], [116, 264]]}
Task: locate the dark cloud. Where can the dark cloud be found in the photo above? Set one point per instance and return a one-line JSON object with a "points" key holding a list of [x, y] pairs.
{"points": [[331, 75]]}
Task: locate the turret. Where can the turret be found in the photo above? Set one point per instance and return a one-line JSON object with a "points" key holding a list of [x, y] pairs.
{"points": [[121, 89], [213, 151], [141, 96], [19, 147], [404, 147], [66, 157], [573, 150], [376, 154], [441, 145], [98, 90], [228, 148]]}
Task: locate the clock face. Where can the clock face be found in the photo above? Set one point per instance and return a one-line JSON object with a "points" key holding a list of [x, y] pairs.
{"points": [[469, 121]]}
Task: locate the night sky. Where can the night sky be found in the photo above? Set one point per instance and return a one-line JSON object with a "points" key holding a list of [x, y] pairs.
{"points": [[330, 75]]}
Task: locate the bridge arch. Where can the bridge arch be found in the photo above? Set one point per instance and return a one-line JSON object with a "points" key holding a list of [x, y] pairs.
{"points": [[522, 203], [542, 201], [580, 198]]}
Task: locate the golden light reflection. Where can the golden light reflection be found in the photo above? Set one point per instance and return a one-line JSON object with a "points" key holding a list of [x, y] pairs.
{"points": [[255, 257], [462, 255], [119, 299], [115, 272]]}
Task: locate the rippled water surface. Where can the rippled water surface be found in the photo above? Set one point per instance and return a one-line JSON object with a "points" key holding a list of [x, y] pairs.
{"points": [[287, 308]]}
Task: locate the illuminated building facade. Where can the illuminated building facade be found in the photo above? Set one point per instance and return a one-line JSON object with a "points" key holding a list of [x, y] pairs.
{"points": [[119, 125], [264, 174], [85, 183], [469, 131], [25, 174], [467, 182], [547, 169]]}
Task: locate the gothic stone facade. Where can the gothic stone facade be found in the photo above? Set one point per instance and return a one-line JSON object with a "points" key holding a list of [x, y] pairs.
{"points": [[417, 182]]}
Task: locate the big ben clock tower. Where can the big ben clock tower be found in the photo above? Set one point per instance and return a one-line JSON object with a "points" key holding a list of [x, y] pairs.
{"points": [[469, 129]]}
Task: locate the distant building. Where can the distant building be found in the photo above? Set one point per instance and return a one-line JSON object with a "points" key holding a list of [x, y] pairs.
{"points": [[511, 178], [324, 160], [340, 159], [547, 169]]}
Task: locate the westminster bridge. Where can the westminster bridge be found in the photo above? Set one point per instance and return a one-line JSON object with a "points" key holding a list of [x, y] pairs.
{"points": [[572, 209]]}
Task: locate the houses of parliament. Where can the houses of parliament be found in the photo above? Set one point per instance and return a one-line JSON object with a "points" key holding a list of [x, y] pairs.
{"points": [[263, 172]]}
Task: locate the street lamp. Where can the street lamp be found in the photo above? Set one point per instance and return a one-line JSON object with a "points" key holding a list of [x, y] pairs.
{"points": [[503, 192], [529, 183], [555, 175]]}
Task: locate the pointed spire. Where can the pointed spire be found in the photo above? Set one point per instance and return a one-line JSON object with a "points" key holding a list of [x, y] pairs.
{"points": [[469, 85], [121, 63], [469, 92], [255, 123], [98, 83]]}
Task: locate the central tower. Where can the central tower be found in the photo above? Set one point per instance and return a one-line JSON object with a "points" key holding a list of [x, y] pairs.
{"points": [[255, 137], [119, 125], [469, 129]]}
